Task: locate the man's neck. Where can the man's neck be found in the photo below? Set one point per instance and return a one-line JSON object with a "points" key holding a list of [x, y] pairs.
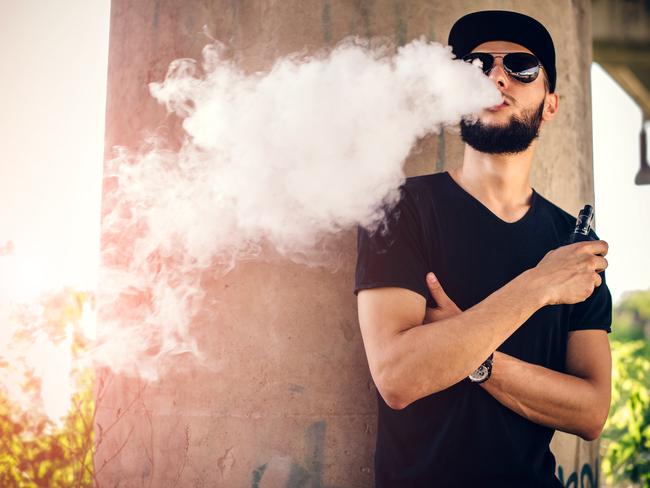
{"points": [[500, 181]]}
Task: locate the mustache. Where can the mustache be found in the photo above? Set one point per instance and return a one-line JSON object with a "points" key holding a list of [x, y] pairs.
{"points": [[510, 100]]}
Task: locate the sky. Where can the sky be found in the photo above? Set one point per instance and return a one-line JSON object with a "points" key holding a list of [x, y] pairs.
{"points": [[622, 207], [54, 63], [53, 57]]}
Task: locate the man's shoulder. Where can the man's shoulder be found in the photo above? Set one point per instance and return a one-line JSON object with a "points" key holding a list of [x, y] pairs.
{"points": [[425, 191], [557, 213], [554, 209], [424, 184], [424, 179]]}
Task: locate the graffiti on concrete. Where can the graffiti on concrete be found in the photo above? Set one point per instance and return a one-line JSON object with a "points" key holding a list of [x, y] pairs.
{"points": [[326, 21], [309, 473], [400, 22], [588, 477], [257, 475]]}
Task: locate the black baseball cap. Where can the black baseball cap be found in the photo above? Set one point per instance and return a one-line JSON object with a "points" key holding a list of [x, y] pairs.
{"points": [[502, 25]]}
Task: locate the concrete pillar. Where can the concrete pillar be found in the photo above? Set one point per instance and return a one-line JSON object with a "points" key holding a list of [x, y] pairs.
{"points": [[294, 404]]}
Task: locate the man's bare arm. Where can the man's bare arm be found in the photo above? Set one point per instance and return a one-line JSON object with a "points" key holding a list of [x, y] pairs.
{"points": [[409, 361], [577, 403]]}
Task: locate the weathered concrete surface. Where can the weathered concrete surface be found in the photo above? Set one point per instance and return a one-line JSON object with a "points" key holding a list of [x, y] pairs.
{"points": [[292, 403], [615, 21], [621, 32]]}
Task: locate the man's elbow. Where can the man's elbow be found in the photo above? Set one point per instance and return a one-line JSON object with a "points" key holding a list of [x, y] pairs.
{"points": [[393, 393], [592, 435], [399, 394], [594, 431], [394, 390], [399, 387], [395, 402]]}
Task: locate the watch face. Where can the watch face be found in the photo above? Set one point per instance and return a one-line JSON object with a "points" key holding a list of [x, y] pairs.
{"points": [[479, 374]]}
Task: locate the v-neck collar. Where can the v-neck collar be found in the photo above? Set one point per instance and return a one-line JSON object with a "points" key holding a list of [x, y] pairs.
{"points": [[482, 207]]}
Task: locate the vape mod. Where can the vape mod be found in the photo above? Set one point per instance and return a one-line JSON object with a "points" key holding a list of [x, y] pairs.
{"points": [[583, 226]]}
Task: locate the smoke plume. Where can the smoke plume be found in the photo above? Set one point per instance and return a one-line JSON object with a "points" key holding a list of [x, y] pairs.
{"points": [[278, 160]]}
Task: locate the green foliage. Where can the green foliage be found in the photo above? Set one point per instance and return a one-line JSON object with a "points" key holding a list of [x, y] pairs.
{"points": [[626, 438], [637, 302], [43, 454], [627, 432], [631, 317], [34, 451]]}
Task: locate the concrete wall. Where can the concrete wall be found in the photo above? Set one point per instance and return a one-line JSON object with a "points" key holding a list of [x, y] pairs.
{"points": [[627, 21], [294, 404], [621, 33]]}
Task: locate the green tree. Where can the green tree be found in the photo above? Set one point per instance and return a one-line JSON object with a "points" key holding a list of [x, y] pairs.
{"points": [[626, 437], [631, 317], [34, 451]]}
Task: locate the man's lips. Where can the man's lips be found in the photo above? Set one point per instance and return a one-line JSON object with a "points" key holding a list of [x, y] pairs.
{"points": [[498, 107]]}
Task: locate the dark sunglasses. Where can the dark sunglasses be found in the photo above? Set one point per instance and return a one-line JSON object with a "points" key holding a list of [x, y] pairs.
{"points": [[522, 67]]}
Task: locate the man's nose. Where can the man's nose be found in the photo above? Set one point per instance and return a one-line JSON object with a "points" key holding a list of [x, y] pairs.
{"points": [[498, 74]]}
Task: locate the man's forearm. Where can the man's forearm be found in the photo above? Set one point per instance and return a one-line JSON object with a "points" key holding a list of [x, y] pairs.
{"points": [[545, 396], [431, 357]]}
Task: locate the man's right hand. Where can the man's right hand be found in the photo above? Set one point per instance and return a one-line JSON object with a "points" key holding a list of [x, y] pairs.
{"points": [[569, 274]]}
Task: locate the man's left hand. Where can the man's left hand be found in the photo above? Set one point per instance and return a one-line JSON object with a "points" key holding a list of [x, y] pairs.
{"points": [[446, 307]]}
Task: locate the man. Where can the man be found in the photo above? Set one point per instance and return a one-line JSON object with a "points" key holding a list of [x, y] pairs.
{"points": [[503, 286]]}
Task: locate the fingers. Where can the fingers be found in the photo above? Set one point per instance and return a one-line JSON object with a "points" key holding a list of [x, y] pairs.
{"points": [[595, 247], [433, 315], [601, 264], [436, 290], [595, 263], [599, 280], [431, 279]]}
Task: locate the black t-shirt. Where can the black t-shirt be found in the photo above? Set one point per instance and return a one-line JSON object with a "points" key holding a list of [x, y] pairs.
{"points": [[462, 436]]}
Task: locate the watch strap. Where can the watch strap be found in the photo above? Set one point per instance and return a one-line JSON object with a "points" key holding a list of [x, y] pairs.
{"points": [[483, 372]]}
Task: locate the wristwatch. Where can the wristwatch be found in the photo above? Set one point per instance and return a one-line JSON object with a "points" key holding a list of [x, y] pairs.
{"points": [[483, 372]]}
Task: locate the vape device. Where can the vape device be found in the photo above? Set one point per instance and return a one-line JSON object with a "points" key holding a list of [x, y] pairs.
{"points": [[583, 226]]}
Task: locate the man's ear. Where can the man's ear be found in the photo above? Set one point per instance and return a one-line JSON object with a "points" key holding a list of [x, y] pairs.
{"points": [[551, 102]]}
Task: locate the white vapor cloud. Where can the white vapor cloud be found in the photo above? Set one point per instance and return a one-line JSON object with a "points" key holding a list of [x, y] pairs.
{"points": [[281, 159]]}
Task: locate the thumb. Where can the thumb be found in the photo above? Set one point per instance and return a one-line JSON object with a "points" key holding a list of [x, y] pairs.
{"points": [[435, 288]]}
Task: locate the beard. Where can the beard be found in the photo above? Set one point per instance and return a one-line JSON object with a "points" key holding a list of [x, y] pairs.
{"points": [[514, 137]]}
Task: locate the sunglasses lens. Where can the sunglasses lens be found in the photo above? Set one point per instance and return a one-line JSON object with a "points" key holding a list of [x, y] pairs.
{"points": [[486, 59], [521, 66]]}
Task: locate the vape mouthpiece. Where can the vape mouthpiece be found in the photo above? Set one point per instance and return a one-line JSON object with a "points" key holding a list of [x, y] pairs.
{"points": [[583, 225]]}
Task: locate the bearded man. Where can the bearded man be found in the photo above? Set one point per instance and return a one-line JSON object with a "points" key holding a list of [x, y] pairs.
{"points": [[484, 333]]}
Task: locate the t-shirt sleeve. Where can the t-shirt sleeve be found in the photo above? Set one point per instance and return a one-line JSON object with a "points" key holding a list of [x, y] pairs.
{"points": [[394, 254], [596, 311]]}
